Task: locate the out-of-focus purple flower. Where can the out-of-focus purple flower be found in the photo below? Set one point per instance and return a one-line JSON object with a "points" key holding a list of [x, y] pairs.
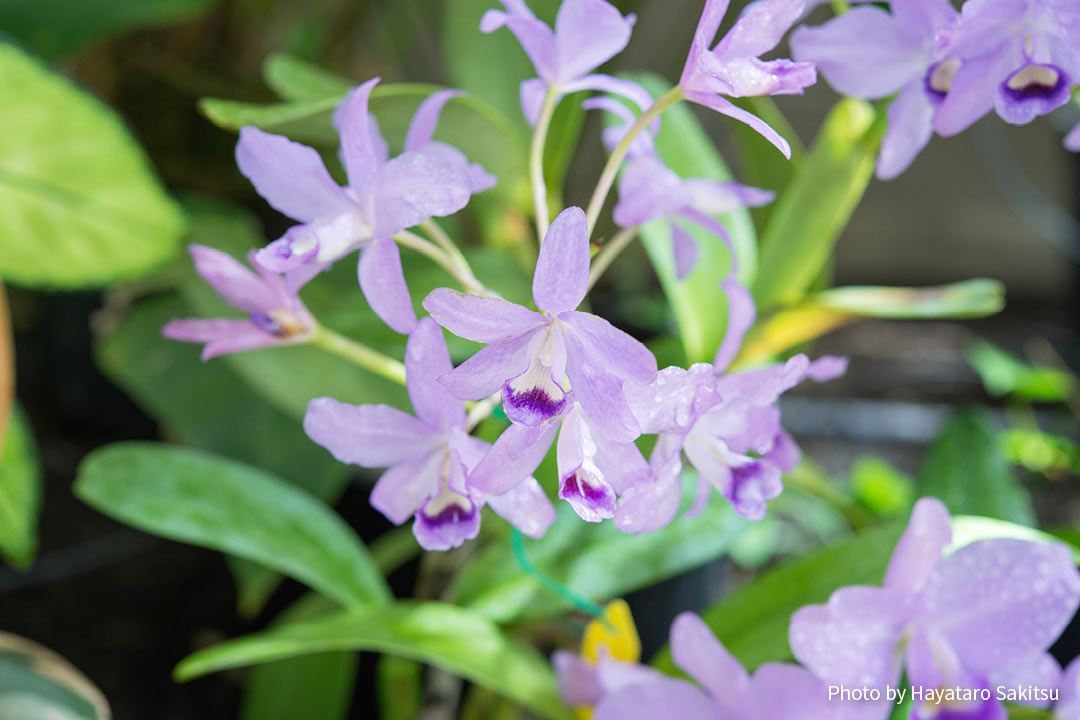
{"points": [[427, 457], [1020, 57], [276, 316], [733, 67], [535, 358], [557, 367], [723, 689], [1068, 704], [980, 617], [871, 53], [1072, 140], [383, 197], [729, 429], [587, 34]]}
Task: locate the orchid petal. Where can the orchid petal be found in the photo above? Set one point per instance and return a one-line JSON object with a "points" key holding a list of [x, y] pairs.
{"points": [[406, 485], [426, 360], [561, 277], [383, 283], [608, 347], [698, 653], [486, 371], [726, 107], [367, 435], [481, 319], [424, 121], [588, 33], [498, 473], [361, 155]]}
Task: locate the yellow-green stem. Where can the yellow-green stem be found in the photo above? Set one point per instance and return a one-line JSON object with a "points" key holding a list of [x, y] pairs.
{"points": [[536, 162], [363, 356], [460, 271], [611, 170], [611, 249]]}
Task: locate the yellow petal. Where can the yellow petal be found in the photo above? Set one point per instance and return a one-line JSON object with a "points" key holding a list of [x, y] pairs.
{"points": [[618, 635]]}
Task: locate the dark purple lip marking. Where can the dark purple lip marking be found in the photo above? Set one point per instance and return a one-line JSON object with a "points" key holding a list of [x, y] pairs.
{"points": [[531, 407], [452, 514], [1029, 83], [267, 324], [592, 501]]}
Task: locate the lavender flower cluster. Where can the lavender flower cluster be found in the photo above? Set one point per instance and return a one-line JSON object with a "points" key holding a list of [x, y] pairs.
{"points": [[565, 376], [965, 630]]}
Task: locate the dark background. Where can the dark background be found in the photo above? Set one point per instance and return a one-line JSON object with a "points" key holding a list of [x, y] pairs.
{"points": [[124, 607]]}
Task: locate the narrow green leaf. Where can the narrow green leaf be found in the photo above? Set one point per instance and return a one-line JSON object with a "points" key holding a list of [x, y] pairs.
{"points": [[204, 500], [399, 682], [36, 683], [697, 301], [752, 622], [449, 637], [20, 493], [318, 686], [596, 561], [966, 470], [1003, 373], [79, 203], [59, 28], [813, 210], [828, 310], [296, 79]]}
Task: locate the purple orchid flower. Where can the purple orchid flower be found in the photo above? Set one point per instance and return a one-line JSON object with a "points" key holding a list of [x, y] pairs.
{"points": [[932, 614], [383, 197], [724, 690], [729, 429], [428, 456], [649, 190], [587, 34], [555, 368], [869, 53], [536, 358], [276, 316], [1068, 704], [1019, 57], [733, 67]]}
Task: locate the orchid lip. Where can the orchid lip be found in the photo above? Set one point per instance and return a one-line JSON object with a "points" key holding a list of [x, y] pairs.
{"points": [[447, 508], [536, 396], [592, 498], [940, 77], [1035, 82]]}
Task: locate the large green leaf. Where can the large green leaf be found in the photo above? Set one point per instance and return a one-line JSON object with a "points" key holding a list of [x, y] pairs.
{"points": [[595, 560], [966, 470], [20, 493], [205, 500], [697, 301], [208, 406], [449, 637], [38, 684], [56, 28], [814, 208], [318, 686], [79, 203], [752, 622]]}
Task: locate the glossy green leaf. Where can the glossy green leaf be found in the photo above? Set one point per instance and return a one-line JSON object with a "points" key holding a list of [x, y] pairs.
{"points": [[58, 28], [38, 684], [1003, 373], [966, 470], [814, 208], [205, 500], [449, 637], [752, 622], [20, 493], [207, 406], [697, 301], [596, 561], [318, 686], [828, 310], [79, 203]]}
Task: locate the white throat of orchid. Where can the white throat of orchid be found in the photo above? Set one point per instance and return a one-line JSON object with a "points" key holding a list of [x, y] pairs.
{"points": [[447, 506], [942, 75], [538, 395], [585, 487]]}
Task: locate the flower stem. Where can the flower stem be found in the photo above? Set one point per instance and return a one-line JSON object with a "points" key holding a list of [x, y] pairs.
{"points": [[607, 177], [536, 162], [458, 268], [609, 252], [371, 360], [481, 411], [517, 541], [467, 276]]}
